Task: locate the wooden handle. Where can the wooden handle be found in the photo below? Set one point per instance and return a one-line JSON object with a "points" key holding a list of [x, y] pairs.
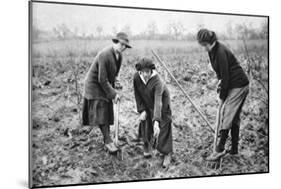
{"points": [[181, 88], [218, 118], [116, 123]]}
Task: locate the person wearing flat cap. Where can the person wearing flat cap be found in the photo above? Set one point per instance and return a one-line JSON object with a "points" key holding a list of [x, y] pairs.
{"points": [[100, 88], [153, 103]]}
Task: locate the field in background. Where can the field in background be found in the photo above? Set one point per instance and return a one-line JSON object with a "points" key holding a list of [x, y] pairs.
{"points": [[65, 153], [87, 47]]}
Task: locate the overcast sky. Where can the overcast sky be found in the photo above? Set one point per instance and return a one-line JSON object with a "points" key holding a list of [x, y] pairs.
{"points": [[87, 18]]}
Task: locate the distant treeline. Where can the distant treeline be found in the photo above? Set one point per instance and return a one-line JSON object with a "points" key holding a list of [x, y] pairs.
{"points": [[174, 31]]}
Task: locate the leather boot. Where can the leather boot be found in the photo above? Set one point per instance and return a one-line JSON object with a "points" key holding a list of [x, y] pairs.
{"points": [[223, 138], [234, 139]]}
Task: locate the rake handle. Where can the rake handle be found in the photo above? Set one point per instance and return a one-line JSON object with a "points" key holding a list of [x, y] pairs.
{"points": [[181, 88], [116, 122], [218, 118]]}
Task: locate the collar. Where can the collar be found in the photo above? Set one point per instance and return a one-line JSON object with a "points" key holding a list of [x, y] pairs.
{"points": [[154, 73], [215, 46], [116, 54]]}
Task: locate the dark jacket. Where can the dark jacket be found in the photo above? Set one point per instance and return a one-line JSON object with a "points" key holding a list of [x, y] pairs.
{"points": [[99, 82], [153, 97], [227, 69]]}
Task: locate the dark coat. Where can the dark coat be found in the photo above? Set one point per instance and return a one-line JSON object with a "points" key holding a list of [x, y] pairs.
{"points": [[99, 82], [227, 69], [153, 97]]}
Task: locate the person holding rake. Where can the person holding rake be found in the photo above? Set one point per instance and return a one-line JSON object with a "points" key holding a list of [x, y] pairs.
{"points": [[233, 90], [100, 88]]}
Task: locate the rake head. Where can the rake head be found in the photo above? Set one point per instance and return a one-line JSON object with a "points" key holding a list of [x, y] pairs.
{"points": [[216, 164]]}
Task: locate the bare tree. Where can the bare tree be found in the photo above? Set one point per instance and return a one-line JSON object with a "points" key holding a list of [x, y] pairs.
{"points": [[244, 31], [151, 30], [175, 29], [76, 32], [99, 30], [127, 29], [114, 31], [229, 30], [36, 33], [264, 30], [62, 31], [74, 87], [200, 26]]}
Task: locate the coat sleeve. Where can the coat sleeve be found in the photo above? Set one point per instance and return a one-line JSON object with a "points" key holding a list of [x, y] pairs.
{"points": [[103, 77], [224, 73], [139, 101], [158, 91]]}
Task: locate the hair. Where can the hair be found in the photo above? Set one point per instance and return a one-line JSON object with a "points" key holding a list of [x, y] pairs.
{"points": [[115, 41], [144, 63], [206, 36]]}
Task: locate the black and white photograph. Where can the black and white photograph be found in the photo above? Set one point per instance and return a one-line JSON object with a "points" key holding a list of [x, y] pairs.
{"points": [[126, 94]]}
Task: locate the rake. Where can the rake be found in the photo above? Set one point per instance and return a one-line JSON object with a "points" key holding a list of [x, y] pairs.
{"points": [[215, 131], [116, 124], [181, 88]]}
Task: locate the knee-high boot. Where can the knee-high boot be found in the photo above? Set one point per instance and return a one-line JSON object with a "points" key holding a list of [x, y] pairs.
{"points": [[105, 130], [223, 138], [234, 138]]}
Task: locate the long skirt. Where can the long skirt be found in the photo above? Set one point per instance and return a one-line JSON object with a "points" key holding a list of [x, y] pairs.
{"points": [[165, 138], [97, 112], [232, 106]]}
